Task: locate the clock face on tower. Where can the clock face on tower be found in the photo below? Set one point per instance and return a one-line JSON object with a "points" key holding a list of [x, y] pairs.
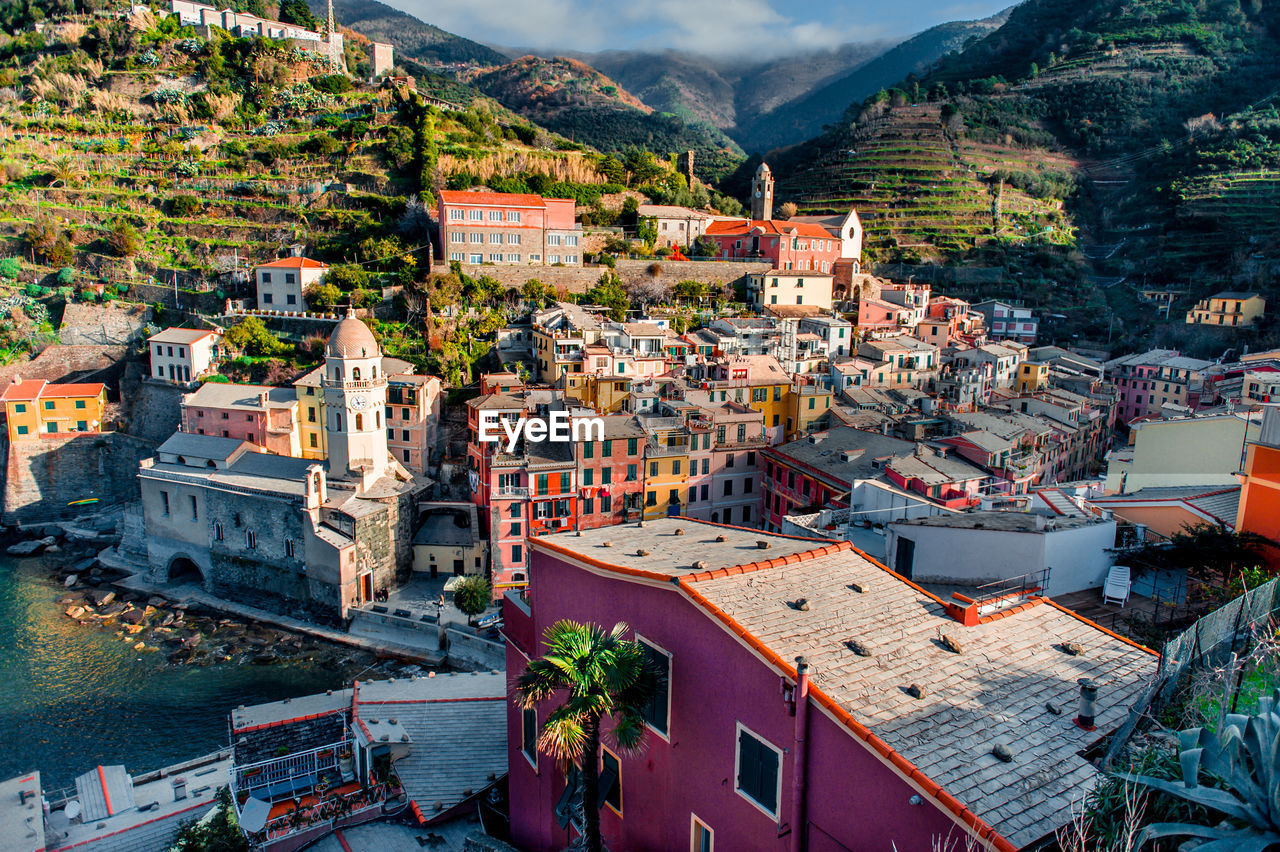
{"points": [[359, 403]]}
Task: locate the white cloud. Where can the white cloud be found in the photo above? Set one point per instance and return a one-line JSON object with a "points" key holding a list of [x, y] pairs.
{"points": [[712, 27]]}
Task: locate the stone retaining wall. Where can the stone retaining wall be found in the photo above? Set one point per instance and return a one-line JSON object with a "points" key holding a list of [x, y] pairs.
{"points": [[581, 279], [44, 475], [468, 649]]}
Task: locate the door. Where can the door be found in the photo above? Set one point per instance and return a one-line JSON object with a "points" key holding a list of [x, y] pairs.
{"points": [[366, 587], [905, 557]]}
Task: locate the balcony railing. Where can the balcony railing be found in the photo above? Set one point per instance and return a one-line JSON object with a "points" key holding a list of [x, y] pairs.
{"points": [[356, 384], [283, 777], [521, 491]]}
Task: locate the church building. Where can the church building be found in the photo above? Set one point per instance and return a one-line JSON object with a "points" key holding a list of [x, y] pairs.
{"points": [[304, 537]]}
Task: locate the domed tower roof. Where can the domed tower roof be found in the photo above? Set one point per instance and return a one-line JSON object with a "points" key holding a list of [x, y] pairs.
{"points": [[351, 338], [763, 171]]}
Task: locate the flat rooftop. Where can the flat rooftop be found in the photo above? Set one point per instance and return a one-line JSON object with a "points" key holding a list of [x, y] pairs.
{"points": [[1001, 521], [671, 553], [21, 823]]}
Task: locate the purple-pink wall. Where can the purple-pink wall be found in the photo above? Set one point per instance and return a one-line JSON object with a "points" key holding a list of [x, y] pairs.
{"points": [[854, 801]]}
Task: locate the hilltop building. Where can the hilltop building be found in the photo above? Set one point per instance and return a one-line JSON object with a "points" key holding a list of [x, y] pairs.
{"points": [[288, 533], [183, 355], [1228, 308], [282, 284], [807, 700], [508, 229]]}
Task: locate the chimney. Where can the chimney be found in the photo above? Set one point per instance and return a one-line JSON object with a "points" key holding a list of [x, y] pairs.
{"points": [[1039, 521], [179, 789], [1088, 696]]}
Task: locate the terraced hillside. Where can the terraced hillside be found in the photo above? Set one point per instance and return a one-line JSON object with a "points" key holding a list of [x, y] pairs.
{"points": [[167, 168], [923, 190]]}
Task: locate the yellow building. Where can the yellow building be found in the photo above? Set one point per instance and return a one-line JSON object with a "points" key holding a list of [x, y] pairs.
{"points": [[808, 405], [1228, 308], [757, 381], [36, 409], [311, 432], [666, 473], [1031, 377]]}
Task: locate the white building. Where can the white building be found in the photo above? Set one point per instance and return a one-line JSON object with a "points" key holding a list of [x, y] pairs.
{"points": [[183, 355], [977, 548], [282, 284], [676, 226], [789, 287]]}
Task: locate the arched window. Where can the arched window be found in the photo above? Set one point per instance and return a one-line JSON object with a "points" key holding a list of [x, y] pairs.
{"points": [[337, 422], [377, 419], [316, 478], [355, 374], [359, 422], [337, 374], [375, 372]]}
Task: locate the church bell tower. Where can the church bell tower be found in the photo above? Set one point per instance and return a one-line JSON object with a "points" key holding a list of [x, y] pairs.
{"points": [[355, 396], [762, 193]]}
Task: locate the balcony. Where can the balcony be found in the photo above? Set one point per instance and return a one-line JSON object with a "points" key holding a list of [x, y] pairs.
{"points": [[355, 384], [518, 492]]}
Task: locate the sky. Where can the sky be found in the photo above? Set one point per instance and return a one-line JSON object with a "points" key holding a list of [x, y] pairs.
{"points": [[720, 28]]}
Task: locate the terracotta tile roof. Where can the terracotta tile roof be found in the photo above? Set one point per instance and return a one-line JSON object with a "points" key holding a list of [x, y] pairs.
{"points": [[733, 227], [33, 389], [995, 691], [495, 199], [294, 263]]}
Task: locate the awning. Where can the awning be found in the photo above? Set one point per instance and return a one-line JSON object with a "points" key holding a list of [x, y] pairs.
{"points": [[253, 816]]}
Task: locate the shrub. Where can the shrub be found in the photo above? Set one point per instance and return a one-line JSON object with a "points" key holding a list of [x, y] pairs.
{"points": [[472, 594], [10, 267], [334, 84], [124, 239], [252, 337], [186, 205]]}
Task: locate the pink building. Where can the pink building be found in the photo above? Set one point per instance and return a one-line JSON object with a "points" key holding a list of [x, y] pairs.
{"points": [[610, 481], [788, 245], [809, 701], [413, 419], [509, 229], [1146, 381], [878, 318], [259, 414]]}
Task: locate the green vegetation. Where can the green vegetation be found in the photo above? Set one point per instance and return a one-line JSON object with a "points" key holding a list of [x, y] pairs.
{"points": [[472, 594], [605, 677]]}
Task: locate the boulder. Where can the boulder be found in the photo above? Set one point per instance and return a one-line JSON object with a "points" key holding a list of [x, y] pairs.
{"points": [[30, 547], [51, 530], [75, 612], [84, 565], [133, 616], [157, 601], [101, 597], [53, 548], [70, 581], [111, 609]]}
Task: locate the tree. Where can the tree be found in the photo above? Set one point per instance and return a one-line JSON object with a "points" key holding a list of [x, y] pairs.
{"points": [[647, 230], [647, 291], [252, 337], [472, 594], [610, 294], [691, 290], [604, 675], [787, 210], [298, 12], [1215, 559], [348, 276], [323, 296], [705, 247], [10, 267], [219, 834], [124, 239]]}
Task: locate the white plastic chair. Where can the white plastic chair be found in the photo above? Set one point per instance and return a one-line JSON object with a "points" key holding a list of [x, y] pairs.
{"points": [[1116, 589]]}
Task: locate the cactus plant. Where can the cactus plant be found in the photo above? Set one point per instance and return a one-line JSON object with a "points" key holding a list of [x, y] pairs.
{"points": [[1245, 757]]}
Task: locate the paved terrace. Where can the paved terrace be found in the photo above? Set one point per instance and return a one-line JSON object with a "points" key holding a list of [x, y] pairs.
{"points": [[672, 545]]}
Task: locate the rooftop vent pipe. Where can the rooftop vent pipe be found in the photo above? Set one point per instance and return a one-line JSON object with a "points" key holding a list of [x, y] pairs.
{"points": [[1088, 697]]}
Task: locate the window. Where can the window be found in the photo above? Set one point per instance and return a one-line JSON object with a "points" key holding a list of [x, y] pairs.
{"points": [[457, 237], [495, 239], [475, 215], [477, 237], [195, 511], [266, 298], [455, 214], [22, 430], [288, 547], [266, 279], [80, 402], [311, 415], [588, 451], [251, 539], [657, 712], [542, 484], [312, 436], [606, 504], [20, 408], [529, 736], [513, 216], [164, 502], [217, 532], [48, 405], [517, 554], [748, 486], [651, 499], [631, 473], [611, 780], [728, 487], [588, 477], [564, 482], [631, 446], [553, 239], [495, 215], [673, 496], [515, 510], [82, 426], [404, 434], [758, 779], [675, 467], [700, 837], [728, 460], [653, 468]]}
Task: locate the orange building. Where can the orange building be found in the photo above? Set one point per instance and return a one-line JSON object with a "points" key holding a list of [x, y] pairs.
{"points": [[37, 409], [1260, 497]]}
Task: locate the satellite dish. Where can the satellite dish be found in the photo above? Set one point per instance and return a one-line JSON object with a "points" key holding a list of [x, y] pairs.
{"points": [[73, 810]]}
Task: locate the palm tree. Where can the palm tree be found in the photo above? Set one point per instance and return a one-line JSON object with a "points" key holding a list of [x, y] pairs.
{"points": [[66, 171], [604, 675]]}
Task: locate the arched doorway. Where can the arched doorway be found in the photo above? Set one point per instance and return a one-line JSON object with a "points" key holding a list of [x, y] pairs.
{"points": [[184, 570]]}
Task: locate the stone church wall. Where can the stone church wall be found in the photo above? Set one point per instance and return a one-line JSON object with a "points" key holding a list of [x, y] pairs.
{"points": [[44, 475]]}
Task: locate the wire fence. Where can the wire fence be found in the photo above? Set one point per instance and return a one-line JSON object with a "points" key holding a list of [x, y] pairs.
{"points": [[1210, 641]]}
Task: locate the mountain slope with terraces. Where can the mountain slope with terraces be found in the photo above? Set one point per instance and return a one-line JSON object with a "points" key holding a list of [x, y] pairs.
{"points": [[1144, 132]]}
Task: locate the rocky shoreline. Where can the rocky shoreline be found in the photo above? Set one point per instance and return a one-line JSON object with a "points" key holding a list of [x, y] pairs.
{"points": [[185, 634]]}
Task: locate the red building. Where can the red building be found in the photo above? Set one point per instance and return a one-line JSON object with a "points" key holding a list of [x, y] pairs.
{"points": [[845, 723], [787, 245], [610, 474], [509, 229]]}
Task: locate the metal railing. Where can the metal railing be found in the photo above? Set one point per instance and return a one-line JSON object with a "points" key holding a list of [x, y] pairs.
{"points": [[253, 777], [514, 491]]}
